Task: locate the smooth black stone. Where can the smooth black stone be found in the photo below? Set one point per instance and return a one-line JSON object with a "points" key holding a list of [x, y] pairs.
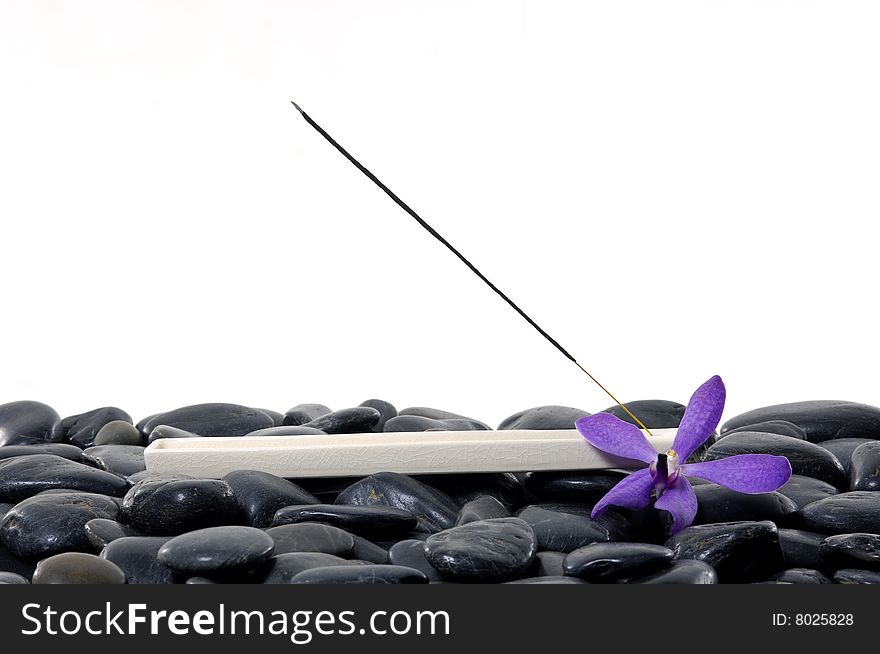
{"points": [[138, 557], [10, 578], [13, 564], [141, 425], [562, 532], [821, 420], [780, 427], [801, 549], [77, 568], [682, 572], [25, 476], [26, 422], [69, 452], [147, 475], [168, 508], [806, 458], [434, 509], [803, 490], [617, 526], [575, 485], [494, 550], [654, 414], [101, 531], [719, 504], [801, 576], [277, 416], [118, 432], [326, 489], [852, 551], [865, 467], [167, 431], [48, 524], [82, 428], [855, 576], [547, 580], [549, 564], [311, 537], [544, 417], [261, 494], [365, 550], [738, 551], [218, 550], [843, 448], [122, 460], [213, 419], [378, 521], [464, 487], [482, 508], [282, 568], [288, 430], [303, 413], [386, 412], [192, 581], [421, 423], [440, 414], [360, 574], [356, 420], [846, 513], [411, 554], [609, 562]]}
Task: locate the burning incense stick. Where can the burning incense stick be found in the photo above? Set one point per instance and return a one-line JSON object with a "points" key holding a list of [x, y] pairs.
{"points": [[433, 232]]}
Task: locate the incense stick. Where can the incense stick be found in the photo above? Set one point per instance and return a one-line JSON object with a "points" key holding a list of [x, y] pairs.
{"points": [[433, 232]]}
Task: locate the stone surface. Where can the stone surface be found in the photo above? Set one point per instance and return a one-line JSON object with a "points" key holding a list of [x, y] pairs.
{"points": [[69, 452], [160, 508], [544, 417], [562, 532], [375, 521], [212, 419], [386, 412], [682, 572], [25, 476], [481, 508], [356, 420], [547, 580], [411, 554], [288, 430], [865, 467], [137, 557], [167, 431], [218, 550], [576, 485], [408, 423], [803, 490], [855, 576], [654, 414], [10, 578], [101, 531], [464, 487], [801, 549], [311, 537], [843, 448], [365, 550], [122, 460], [13, 564], [282, 568], [781, 427], [852, 551], [801, 576], [720, 504], [549, 564], [435, 510], [608, 562], [261, 494], [846, 513], [118, 432], [303, 413], [49, 524], [821, 420], [500, 549], [82, 428], [77, 568], [439, 414], [26, 422], [360, 574]]}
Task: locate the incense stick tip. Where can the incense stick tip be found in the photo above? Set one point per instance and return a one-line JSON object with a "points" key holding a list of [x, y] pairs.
{"points": [[297, 107]]}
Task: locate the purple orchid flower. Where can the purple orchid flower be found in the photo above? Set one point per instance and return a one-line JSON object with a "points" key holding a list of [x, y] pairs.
{"points": [[665, 474]]}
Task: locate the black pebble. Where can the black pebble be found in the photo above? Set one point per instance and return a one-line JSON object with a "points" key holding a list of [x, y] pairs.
{"points": [[608, 562], [375, 521], [138, 557], [261, 494], [360, 574], [25, 476], [311, 537], [168, 508]]}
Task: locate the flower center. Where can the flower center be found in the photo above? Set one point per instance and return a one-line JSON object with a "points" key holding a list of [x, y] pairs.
{"points": [[664, 470]]}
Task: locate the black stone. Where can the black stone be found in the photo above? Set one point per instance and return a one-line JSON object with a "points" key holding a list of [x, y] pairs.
{"points": [[277, 416], [377, 521], [212, 419], [440, 414], [821, 420], [549, 564], [846, 513], [576, 485], [218, 550], [356, 420], [10, 578], [48, 524], [77, 568], [617, 526], [288, 430], [365, 550], [122, 460], [411, 553], [801, 576], [562, 532], [311, 537], [434, 509], [303, 413], [101, 531], [609, 562], [865, 470], [139, 560], [547, 580], [801, 549], [282, 568], [9, 563], [544, 417], [494, 550], [843, 448], [855, 576], [168, 508], [25, 476], [719, 504], [386, 412], [82, 428], [806, 458], [682, 572], [780, 427], [803, 490], [26, 422], [482, 508], [464, 487], [69, 452], [654, 414], [118, 432], [852, 551], [261, 494], [406, 423], [738, 551], [360, 574]]}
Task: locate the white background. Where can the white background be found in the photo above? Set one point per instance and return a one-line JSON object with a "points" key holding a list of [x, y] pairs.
{"points": [[672, 189]]}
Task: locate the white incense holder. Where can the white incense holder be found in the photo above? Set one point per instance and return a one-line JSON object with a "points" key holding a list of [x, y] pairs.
{"points": [[360, 455]]}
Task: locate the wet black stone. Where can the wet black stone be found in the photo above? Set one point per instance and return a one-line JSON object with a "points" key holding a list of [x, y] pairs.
{"points": [[617, 526], [801, 549], [544, 417], [386, 412], [411, 553], [682, 572], [101, 531], [261, 494], [356, 420], [578, 486], [138, 557], [654, 414], [10, 578], [803, 490], [168, 508], [288, 430], [440, 414], [303, 413], [282, 568], [549, 564], [118, 432], [146, 475], [739, 552], [494, 550], [82, 428], [852, 551], [609, 562], [26, 422], [69, 452], [434, 509], [855, 576], [547, 580], [562, 532], [376, 521], [846, 513], [801, 576], [719, 504], [48, 524], [821, 420], [865, 467], [843, 448], [464, 487], [806, 458], [122, 460], [781, 427], [212, 419], [365, 550], [25, 476], [407, 423], [77, 568], [481, 508], [311, 537], [167, 431], [360, 574], [218, 550]]}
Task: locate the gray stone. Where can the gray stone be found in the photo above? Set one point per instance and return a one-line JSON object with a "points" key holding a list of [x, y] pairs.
{"points": [[386, 412], [218, 550], [122, 460], [138, 558], [118, 432], [421, 423], [290, 430], [212, 419], [544, 417], [26, 422], [781, 427], [282, 568], [311, 537], [303, 413], [411, 553], [101, 531], [821, 420], [77, 568], [83, 428]]}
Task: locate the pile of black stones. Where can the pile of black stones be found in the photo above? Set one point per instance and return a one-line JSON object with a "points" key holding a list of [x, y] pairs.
{"points": [[78, 506]]}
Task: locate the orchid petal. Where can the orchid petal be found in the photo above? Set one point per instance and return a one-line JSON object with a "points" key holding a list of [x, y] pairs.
{"points": [[746, 473], [681, 501], [614, 436], [701, 417], [631, 492]]}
